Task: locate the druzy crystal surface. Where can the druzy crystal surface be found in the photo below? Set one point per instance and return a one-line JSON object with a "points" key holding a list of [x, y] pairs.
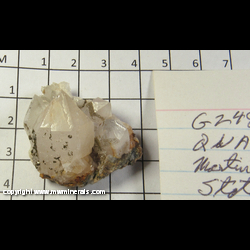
{"points": [[75, 142]]}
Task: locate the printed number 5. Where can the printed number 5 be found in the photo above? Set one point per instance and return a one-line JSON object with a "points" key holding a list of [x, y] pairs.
{"points": [[164, 63]]}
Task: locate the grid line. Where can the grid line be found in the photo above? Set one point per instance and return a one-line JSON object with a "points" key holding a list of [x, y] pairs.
{"points": [[170, 63], [200, 59], [48, 67], [79, 62], [15, 135], [151, 193], [78, 90], [141, 114], [78, 69], [109, 90], [230, 59], [44, 181], [111, 98], [81, 70]]}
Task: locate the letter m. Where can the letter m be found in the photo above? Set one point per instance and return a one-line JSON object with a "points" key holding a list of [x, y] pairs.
{"points": [[3, 59]]}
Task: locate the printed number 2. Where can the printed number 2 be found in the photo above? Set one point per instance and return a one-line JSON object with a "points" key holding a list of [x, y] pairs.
{"points": [[74, 63], [11, 120]]}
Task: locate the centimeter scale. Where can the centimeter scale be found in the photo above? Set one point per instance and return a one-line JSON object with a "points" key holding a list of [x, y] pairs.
{"points": [[122, 77]]}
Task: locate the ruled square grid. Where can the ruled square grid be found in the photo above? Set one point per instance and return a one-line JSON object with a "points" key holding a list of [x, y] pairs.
{"points": [[122, 77]]}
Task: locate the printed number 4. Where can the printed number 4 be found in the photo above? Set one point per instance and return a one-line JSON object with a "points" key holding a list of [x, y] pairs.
{"points": [[7, 183], [134, 63]]}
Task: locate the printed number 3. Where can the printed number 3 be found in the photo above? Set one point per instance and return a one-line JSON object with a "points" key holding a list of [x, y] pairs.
{"points": [[104, 63], [9, 152]]}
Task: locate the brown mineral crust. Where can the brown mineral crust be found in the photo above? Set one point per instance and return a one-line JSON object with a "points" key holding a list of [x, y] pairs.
{"points": [[81, 180], [133, 140], [105, 168], [45, 176], [112, 163], [77, 180]]}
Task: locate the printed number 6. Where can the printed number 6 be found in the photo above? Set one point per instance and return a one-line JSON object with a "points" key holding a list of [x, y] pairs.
{"points": [[195, 63]]}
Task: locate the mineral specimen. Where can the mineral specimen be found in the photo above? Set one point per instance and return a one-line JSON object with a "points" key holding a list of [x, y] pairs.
{"points": [[75, 142]]}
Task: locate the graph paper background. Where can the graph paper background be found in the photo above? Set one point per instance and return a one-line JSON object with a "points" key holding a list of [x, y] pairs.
{"points": [[114, 75], [121, 76]]}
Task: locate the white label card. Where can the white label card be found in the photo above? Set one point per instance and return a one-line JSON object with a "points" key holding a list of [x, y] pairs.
{"points": [[203, 121]]}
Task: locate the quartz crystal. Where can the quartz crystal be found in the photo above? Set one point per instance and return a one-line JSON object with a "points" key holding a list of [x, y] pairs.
{"points": [[75, 142]]}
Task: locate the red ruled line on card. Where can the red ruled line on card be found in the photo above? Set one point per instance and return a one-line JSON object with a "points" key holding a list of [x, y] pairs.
{"points": [[168, 110]]}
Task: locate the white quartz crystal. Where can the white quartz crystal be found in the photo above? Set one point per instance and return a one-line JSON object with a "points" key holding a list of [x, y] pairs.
{"points": [[114, 137], [74, 141]]}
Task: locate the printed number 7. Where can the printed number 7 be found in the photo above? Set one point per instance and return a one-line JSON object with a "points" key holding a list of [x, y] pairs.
{"points": [[226, 62]]}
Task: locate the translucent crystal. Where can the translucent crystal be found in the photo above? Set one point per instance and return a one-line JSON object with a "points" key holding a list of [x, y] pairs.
{"points": [[74, 141], [113, 137], [102, 108]]}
